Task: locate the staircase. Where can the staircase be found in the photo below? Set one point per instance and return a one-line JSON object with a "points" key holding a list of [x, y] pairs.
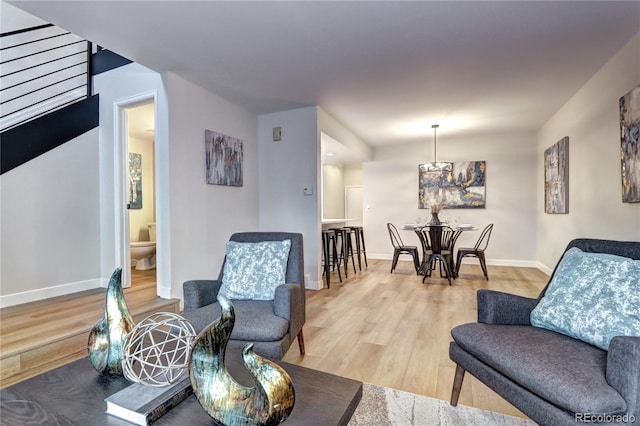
{"points": [[46, 94], [39, 336], [46, 100]]}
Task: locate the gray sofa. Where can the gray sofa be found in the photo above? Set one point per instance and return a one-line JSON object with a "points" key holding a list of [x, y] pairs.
{"points": [[270, 325], [547, 375]]}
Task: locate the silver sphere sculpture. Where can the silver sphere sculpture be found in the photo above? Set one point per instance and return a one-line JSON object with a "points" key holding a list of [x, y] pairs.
{"points": [[156, 351]]}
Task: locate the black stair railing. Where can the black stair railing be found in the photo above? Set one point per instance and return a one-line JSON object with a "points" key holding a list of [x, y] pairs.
{"points": [[42, 69]]}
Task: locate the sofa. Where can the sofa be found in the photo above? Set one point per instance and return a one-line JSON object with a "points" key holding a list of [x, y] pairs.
{"points": [[554, 378], [271, 325]]}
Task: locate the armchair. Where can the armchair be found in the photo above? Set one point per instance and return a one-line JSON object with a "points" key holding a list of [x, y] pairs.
{"points": [[271, 325], [551, 377]]}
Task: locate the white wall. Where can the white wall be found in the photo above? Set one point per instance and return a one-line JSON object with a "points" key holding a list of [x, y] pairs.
{"points": [[390, 194], [335, 177], [352, 174], [286, 168], [203, 216], [50, 223], [591, 120], [332, 191]]}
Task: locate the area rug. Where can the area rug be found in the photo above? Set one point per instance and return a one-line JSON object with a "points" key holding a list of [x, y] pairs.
{"points": [[389, 407]]}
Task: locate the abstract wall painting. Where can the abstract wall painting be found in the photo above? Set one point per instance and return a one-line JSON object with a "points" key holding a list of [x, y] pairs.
{"points": [[630, 145], [457, 185], [556, 177], [135, 181], [223, 159]]}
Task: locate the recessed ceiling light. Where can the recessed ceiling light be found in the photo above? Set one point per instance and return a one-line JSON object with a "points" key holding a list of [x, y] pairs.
{"points": [[329, 154]]}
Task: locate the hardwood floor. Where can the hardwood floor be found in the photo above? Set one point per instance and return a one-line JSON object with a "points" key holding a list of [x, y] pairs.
{"points": [[39, 336], [394, 331], [388, 329]]}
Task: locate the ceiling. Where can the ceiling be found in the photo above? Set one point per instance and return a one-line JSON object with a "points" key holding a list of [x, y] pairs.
{"points": [[387, 70]]}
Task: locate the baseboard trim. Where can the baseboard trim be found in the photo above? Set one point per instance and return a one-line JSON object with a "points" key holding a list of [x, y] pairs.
{"points": [[48, 292], [164, 292], [494, 262], [504, 262], [314, 285], [544, 268], [470, 260]]}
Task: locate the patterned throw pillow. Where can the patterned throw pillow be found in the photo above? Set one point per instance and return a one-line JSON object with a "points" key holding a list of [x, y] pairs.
{"points": [[592, 297], [254, 270]]}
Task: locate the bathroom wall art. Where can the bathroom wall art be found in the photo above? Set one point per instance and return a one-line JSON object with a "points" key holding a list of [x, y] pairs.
{"points": [[458, 185], [630, 145], [556, 177], [135, 181], [223, 159]]}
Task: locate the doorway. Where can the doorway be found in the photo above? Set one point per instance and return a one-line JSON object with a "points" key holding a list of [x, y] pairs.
{"points": [[140, 190], [135, 185]]}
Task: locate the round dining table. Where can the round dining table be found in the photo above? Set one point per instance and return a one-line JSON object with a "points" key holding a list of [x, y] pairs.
{"points": [[435, 234]]}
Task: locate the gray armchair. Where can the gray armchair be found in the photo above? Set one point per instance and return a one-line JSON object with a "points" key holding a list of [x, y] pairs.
{"points": [[552, 378], [271, 325]]}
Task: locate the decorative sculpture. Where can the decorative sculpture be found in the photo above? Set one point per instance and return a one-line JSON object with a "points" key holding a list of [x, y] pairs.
{"points": [[107, 336], [156, 351], [225, 400]]}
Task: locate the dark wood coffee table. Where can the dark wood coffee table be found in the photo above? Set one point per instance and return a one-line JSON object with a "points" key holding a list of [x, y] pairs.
{"points": [[74, 395]]}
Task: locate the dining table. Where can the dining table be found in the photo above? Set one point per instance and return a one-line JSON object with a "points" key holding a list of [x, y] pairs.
{"points": [[435, 234]]}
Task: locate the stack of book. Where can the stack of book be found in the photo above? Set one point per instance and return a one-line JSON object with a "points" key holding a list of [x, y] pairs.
{"points": [[142, 404]]}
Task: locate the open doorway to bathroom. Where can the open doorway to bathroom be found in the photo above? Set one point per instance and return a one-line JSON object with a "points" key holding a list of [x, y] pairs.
{"points": [[141, 198]]}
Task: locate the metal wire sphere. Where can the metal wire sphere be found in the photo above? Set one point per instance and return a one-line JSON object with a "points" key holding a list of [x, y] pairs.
{"points": [[156, 351]]}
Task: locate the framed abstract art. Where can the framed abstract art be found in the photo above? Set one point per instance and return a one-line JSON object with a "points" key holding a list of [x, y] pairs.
{"points": [[223, 159], [556, 177], [630, 145], [452, 185]]}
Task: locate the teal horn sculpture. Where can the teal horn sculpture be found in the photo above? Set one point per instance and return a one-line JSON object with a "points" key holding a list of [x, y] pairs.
{"points": [[225, 400], [107, 336]]}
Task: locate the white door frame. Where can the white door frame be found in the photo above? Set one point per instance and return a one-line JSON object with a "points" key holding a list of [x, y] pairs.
{"points": [[121, 214]]}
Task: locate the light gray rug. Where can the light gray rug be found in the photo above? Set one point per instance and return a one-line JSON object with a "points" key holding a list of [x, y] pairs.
{"points": [[389, 407]]}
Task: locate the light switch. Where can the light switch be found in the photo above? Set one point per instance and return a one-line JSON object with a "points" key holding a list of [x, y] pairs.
{"points": [[277, 134], [307, 191]]}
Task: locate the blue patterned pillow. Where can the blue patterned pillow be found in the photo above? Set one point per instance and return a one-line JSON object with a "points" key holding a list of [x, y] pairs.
{"points": [[254, 270], [592, 297]]}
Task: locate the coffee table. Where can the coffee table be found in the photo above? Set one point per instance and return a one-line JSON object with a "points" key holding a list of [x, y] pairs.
{"points": [[74, 395]]}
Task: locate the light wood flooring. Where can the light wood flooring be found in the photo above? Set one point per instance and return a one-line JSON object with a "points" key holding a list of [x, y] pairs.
{"points": [[392, 330], [39, 336], [382, 328]]}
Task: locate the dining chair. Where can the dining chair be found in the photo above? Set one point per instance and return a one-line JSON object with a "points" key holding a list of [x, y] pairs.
{"points": [[477, 250], [441, 238], [399, 247], [421, 232]]}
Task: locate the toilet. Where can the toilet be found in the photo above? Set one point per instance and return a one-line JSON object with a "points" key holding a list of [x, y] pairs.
{"points": [[143, 253]]}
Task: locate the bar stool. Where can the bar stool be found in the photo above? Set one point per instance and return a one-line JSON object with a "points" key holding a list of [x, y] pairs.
{"points": [[330, 255], [360, 247], [353, 232], [346, 248]]}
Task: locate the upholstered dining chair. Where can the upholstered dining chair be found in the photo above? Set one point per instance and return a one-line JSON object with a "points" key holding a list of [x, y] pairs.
{"points": [[476, 251], [270, 316], [399, 247]]}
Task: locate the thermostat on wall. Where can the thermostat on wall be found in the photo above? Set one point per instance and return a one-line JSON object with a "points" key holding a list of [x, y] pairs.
{"points": [[277, 133]]}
